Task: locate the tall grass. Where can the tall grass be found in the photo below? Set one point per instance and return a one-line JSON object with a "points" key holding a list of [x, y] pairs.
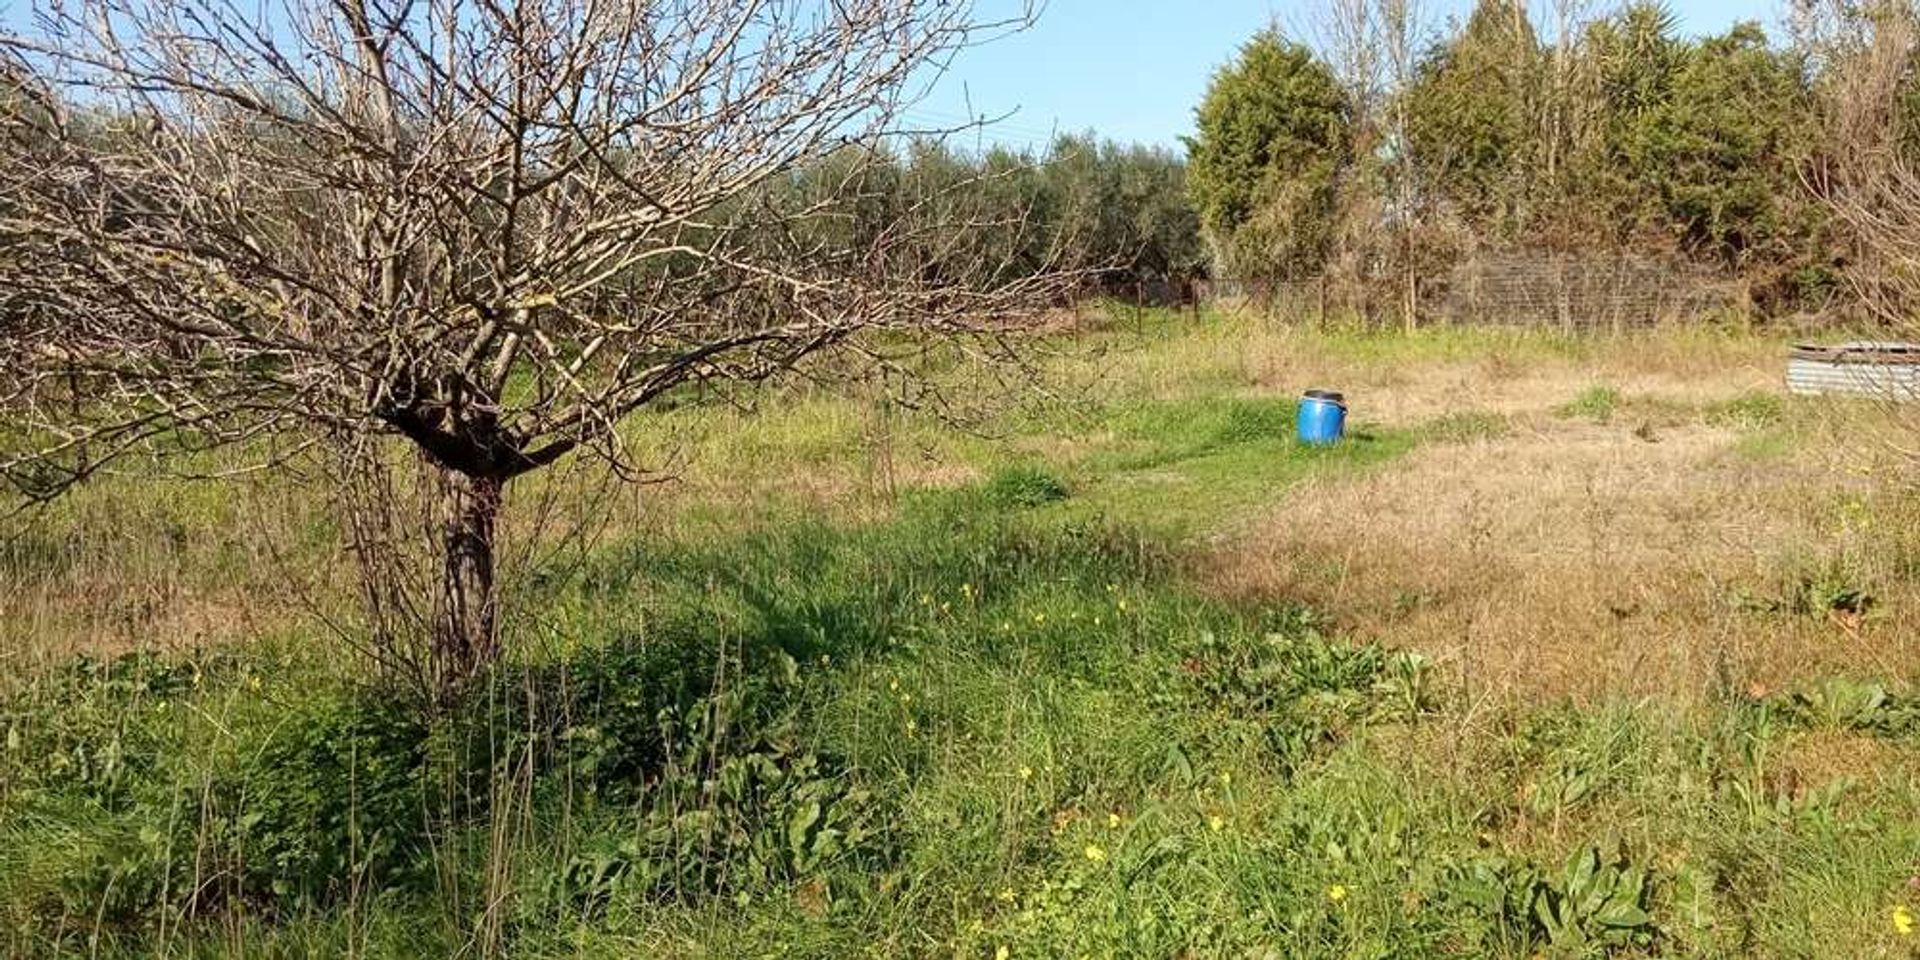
{"points": [[993, 710]]}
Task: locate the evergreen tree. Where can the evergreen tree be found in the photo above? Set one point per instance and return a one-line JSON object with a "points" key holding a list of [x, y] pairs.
{"points": [[1273, 138], [1471, 118], [1725, 150]]}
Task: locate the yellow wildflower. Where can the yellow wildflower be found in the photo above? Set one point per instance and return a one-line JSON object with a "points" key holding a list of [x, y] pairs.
{"points": [[1039, 618], [1095, 854], [1902, 920], [1226, 778], [912, 728], [1336, 893], [1026, 773], [1003, 953], [1216, 823], [1005, 895], [1113, 821]]}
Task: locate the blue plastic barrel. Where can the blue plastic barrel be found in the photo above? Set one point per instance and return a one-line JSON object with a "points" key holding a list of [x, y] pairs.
{"points": [[1322, 418]]}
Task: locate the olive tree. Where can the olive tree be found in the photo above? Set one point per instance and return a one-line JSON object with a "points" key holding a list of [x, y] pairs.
{"points": [[492, 230]]}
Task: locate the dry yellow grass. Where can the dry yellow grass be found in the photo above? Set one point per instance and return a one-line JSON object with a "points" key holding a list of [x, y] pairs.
{"points": [[158, 565], [1442, 371], [1653, 554], [1821, 758]]}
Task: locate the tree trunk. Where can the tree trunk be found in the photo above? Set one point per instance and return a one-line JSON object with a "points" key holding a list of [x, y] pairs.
{"points": [[465, 637]]}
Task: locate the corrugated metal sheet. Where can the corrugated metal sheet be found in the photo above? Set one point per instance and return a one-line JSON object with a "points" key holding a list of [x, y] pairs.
{"points": [[1872, 368]]}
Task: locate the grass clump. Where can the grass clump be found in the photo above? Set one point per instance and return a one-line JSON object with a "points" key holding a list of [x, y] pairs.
{"points": [[1596, 403], [1769, 445], [1182, 467], [1751, 411], [988, 725], [1024, 486], [1251, 420], [1467, 426]]}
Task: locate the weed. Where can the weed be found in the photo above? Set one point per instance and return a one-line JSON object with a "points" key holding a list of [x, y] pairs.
{"points": [[1596, 901], [1294, 695], [1832, 592], [1841, 703]]}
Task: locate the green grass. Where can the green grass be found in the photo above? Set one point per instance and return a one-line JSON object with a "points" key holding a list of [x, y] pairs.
{"points": [[948, 733], [1596, 403], [1180, 468], [995, 715], [1750, 411]]}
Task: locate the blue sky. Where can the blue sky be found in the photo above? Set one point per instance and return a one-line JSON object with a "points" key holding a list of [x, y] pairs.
{"points": [[1133, 70]]}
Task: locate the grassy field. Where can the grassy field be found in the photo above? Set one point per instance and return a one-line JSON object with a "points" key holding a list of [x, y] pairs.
{"points": [[1577, 648]]}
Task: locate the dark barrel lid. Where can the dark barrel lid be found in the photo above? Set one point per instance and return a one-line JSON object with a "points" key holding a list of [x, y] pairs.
{"points": [[1331, 396]]}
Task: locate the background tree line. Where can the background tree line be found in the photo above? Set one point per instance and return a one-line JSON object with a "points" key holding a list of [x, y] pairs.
{"points": [[1385, 152], [1115, 215]]}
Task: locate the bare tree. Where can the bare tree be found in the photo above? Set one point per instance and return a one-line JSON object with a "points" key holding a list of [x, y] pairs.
{"points": [[1374, 46], [1400, 26], [1349, 33], [491, 229]]}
